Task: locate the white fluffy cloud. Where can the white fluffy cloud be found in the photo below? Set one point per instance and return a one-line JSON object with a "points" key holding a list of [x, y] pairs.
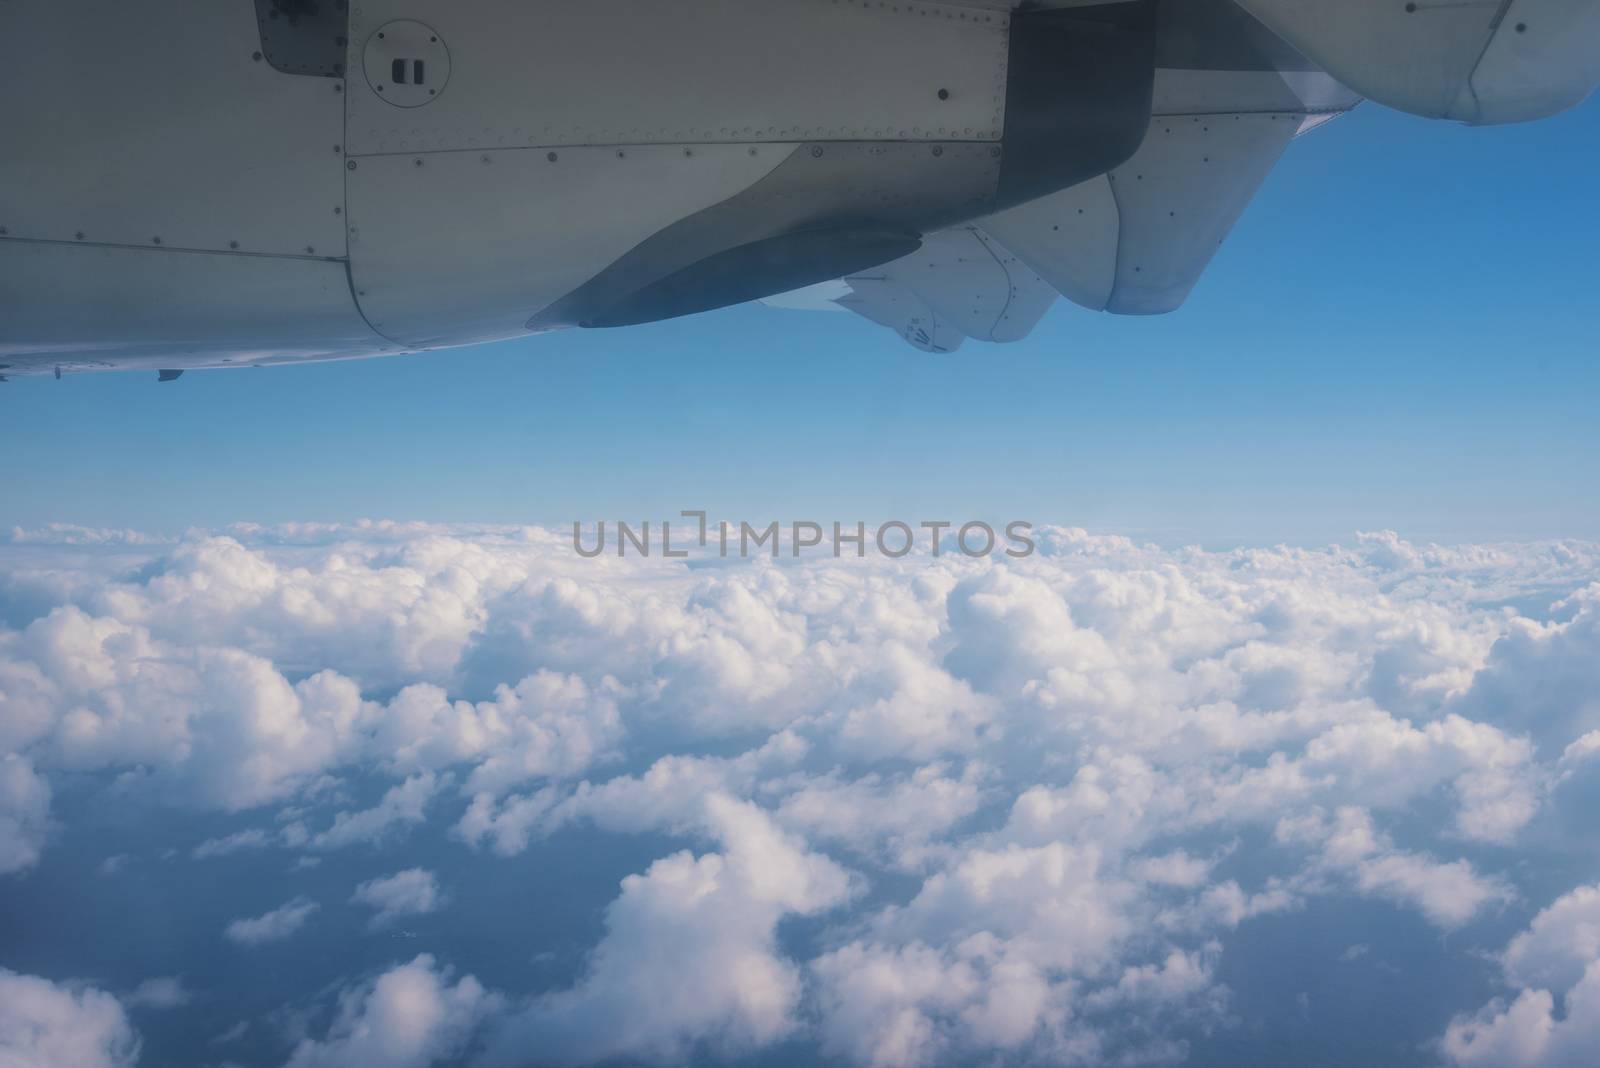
{"points": [[1544, 677], [916, 810], [401, 805], [24, 813], [413, 892], [273, 926], [50, 1025], [411, 1016], [690, 952], [1449, 894], [1553, 1021]]}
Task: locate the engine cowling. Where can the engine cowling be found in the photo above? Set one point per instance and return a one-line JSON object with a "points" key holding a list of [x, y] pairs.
{"points": [[1480, 62]]}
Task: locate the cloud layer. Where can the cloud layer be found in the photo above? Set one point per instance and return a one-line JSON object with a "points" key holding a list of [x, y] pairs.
{"points": [[898, 813]]}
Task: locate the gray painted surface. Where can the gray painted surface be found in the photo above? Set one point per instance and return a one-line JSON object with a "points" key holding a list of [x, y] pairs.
{"points": [[224, 182]]}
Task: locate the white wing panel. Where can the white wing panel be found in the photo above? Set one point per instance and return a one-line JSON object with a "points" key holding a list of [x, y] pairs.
{"points": [[1069, 238], [97, 307], [1550, 65], [610, 72], [149, 125], [459, 247], [1230, 92], [1479, 61], [1030, 296], [974, 285], [1180, 196], [896, 307], [1137, 241], [960, 284]]}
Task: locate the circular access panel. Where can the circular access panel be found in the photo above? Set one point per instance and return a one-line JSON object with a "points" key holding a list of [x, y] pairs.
{"points": [[407, 63]]}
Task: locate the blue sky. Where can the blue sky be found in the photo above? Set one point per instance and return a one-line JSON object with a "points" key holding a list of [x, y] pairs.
{"points": [[1401, 334]]}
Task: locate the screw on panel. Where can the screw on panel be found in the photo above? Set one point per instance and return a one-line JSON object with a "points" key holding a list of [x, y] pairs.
{"points": [[310, 250], [938, 150], [155, 240], [338, 210], [552, 157], [233, 244], [78, 235], [816, 152], [255, 57], [419, 163], [351, 165]]}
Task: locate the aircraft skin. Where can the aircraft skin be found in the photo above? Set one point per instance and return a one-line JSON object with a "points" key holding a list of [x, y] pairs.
{"points": [[225, 183]]}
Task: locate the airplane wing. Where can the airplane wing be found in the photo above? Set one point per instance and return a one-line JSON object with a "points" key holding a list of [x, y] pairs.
{"points": [[1136, 241], [1229, 98], [960, 284], [1478, 63], [901, 310]]}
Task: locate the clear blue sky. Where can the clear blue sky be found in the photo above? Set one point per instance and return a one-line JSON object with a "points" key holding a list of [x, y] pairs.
{"points": [[1402, 333]]}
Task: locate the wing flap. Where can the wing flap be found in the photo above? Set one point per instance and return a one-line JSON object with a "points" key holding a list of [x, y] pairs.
{"points": [[961, 284], [1136, 241], [896, 307]]}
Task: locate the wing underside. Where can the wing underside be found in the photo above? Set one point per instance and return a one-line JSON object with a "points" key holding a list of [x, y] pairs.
{"points": [[1134, 241], [961, 284]]}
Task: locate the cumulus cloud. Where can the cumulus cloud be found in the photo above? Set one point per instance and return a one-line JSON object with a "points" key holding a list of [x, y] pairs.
{"points": [[273, 926], [411, 1016], [897, 813], [690, 954], [1553, 1021], [24, 813], [227, 845], [48, 1025], [413, 892], [1560, 944], [1544, 677], [1448, 893], [546, 726], [402, 805]]}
